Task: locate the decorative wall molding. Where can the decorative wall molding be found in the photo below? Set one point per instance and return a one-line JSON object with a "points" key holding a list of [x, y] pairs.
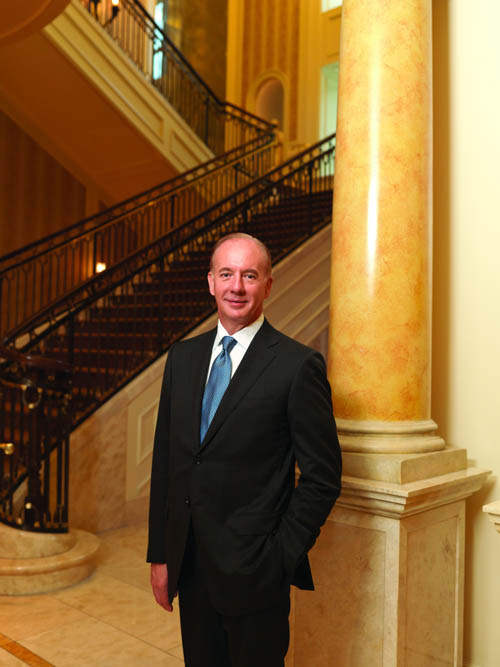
{"points": [[493, 511]]}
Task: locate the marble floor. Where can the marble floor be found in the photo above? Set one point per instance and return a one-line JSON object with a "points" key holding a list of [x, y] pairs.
{"points": [[108, 620]]}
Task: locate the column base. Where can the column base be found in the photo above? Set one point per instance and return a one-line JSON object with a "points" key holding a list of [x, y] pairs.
{"points": [[392, 437], [389, 575], [39, 563], [493, 510], [403, 468]]}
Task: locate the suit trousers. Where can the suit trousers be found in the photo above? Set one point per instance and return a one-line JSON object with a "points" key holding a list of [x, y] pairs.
{"points": [[211, 639]]}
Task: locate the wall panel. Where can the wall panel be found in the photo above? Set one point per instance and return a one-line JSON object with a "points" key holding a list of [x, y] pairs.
{"points": [[38, 195]]}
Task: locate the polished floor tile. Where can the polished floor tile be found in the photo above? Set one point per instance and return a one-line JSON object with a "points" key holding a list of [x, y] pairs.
{"points": [[108, 620], [95, 643], [9, 660]]}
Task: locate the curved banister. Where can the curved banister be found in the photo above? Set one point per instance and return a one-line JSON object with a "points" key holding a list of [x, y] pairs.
{"points": [[31, 361], [104, 329], [134, 202], [100, 284], [120, 321], [41, 273], [113, 326]]}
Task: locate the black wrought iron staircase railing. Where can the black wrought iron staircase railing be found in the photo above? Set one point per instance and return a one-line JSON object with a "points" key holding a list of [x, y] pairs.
{"points": [[34, 276], [220, 125], [35, 423], [115, 324]]}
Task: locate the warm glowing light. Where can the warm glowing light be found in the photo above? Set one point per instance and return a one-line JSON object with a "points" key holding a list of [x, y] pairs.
{"points": [[100, 267], [115, 3]]}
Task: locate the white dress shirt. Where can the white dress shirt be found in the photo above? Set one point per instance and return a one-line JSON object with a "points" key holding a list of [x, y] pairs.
{"points": [[243, 338]]}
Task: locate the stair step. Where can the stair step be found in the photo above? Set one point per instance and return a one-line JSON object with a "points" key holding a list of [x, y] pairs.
{"points": [[151, 297], [122, 336], [149, 313]]}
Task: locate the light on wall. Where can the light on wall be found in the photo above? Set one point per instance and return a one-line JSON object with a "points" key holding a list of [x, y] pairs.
{"points": [[115, 8], [100, 267]]}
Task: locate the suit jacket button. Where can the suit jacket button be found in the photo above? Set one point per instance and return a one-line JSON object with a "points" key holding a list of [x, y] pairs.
{"points": [[188, 501], [198, 460]]}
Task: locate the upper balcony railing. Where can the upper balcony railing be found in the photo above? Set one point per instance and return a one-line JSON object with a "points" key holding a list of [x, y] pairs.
{"points": [[220, 125]]}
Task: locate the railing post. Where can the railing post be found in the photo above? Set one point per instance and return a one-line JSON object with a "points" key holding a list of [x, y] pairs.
{"points": [[172, 212], [245, 218], [161, 266], [206, 120], [2, 318], [71, 339], [38, 410], [310, 196]]}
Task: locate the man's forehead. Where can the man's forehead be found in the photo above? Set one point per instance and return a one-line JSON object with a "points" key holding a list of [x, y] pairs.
{"points": [[239, 252]]}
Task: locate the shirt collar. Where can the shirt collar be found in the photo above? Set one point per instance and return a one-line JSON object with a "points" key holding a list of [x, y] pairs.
{"points": [[244, 336]]}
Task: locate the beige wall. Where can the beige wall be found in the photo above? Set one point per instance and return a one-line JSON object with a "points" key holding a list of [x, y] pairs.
{"points": [[203, 40], [466, 356]]}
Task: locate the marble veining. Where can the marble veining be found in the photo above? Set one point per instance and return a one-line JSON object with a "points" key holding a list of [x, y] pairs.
{"points": [[379, 362]]}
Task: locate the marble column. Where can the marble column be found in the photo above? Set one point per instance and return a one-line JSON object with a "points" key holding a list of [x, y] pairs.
{"points": [[381, 282], [389, 563]]}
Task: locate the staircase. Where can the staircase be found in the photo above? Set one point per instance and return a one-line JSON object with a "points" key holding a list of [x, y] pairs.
{"points": [[124, 331], [57, 309], [39, 274]]}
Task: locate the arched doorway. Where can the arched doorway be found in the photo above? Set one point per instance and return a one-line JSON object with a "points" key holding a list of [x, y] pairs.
{"points": [[269, 101]]}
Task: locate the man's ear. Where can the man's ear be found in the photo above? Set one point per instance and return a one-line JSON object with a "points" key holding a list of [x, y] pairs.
{"points": [[211, 285]]}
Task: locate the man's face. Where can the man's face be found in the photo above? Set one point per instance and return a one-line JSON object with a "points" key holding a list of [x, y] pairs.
{"points": [[239, 281]]}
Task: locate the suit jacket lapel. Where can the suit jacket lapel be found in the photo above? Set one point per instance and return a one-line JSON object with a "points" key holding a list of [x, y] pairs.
{"points": [[258, 356]]}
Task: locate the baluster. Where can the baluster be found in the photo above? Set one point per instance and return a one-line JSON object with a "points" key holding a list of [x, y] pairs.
{"points": [[161, 266], [206, 120]]}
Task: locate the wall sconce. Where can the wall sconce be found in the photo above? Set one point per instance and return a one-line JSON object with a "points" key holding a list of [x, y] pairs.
{"points": [[100, 267], [115, 8]]}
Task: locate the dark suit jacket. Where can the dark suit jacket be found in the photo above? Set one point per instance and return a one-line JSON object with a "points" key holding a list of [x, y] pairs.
{"points": [[252, 528]]}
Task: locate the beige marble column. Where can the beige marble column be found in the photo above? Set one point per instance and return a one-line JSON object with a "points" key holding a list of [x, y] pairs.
{"points": [[389, 564], [380, 333]]}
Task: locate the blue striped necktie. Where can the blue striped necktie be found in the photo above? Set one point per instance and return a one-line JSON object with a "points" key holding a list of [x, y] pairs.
{"points": [[219, 378]]}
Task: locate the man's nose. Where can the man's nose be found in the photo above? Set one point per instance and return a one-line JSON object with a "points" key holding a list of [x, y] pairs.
{"points": [[238, 285]]}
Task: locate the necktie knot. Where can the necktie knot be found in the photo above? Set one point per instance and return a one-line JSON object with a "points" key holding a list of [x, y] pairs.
{"points": [[228, 342]]}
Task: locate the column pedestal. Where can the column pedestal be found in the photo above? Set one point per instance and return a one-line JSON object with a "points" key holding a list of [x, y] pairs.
{"points": [[389, 570], [493, 511]]}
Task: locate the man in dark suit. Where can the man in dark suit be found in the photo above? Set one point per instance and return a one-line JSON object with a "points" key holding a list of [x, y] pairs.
{"points": [[229, 530]]}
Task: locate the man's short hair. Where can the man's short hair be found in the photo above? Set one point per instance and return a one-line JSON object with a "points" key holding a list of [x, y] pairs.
{"points": [[242, 235]]}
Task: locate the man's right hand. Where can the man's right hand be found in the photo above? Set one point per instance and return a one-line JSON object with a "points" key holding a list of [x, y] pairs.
{"points": [[159, 584]]}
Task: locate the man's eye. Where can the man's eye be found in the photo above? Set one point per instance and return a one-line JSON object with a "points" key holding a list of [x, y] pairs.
{"points": [[250, 276]]}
